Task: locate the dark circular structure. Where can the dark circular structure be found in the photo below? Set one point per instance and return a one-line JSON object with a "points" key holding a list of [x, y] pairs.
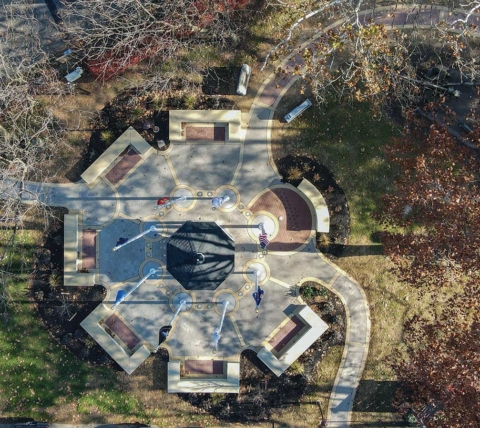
{"points": [[200, 255]]}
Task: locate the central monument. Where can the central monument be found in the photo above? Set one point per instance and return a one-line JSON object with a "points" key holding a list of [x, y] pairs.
{"points": [[200, 255]]}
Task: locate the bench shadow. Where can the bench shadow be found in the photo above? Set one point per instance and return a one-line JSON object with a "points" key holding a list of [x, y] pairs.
{"points": [[220, 80], [362, 250]]}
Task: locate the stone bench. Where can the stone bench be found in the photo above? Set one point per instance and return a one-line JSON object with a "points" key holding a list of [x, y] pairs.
{"points": [[318, 204], [228, 383], [129, 138], [297, 111], [280, 360], [128, 362], [71, 277], [180, 119]]}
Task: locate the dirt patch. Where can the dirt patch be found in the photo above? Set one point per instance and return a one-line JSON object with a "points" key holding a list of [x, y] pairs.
{"points": [[221, 80]]}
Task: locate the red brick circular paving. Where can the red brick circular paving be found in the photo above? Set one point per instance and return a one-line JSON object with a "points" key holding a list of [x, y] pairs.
{"points": [[295, 229]]}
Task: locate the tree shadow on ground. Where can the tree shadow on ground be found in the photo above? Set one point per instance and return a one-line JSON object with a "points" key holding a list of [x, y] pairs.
{"points": [[375, 396], [221, 80]]}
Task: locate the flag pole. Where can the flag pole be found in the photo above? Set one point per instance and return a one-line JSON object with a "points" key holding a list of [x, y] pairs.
{"points": [[124, 296], [216, 333], [151, 229]]}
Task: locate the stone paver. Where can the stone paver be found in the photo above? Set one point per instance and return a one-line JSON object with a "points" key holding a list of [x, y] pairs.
{"points": [[293, 214], [121, 169]]}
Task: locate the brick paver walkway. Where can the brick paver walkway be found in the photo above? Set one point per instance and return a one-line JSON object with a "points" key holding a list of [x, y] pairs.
{"points": [[89, 249], [121, 169], [294, 230]]}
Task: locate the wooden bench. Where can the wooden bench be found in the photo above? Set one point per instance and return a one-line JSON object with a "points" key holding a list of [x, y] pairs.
{"points": [[297, 111], [320, 208]]}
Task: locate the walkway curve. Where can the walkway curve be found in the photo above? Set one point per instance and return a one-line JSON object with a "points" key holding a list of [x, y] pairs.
{"points": [[350, 292]]}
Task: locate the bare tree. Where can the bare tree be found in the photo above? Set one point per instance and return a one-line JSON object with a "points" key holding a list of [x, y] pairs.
{"points": [[29, 133], [367, 61], [114, 35]]}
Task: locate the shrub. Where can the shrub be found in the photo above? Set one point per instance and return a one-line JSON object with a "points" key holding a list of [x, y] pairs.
{"points": [[55, 280], [297, 368], [310, 292], [189, 101], [107, 136], [157, 102], [323, 240], [294, 173], [136, 113]]}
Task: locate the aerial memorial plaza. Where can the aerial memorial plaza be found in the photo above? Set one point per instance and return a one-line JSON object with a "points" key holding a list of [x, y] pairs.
{"points": [[201, 249]]}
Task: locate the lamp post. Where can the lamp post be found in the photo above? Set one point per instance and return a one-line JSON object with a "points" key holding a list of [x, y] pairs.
{"points": [[151, 229], [121, 295], [216, 333]]}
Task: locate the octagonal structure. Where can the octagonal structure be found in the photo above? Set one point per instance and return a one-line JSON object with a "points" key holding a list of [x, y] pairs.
{"points": [[200, 255]]}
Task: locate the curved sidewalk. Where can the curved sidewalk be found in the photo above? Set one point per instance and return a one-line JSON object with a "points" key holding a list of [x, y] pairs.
{"points": [[352, 295]]}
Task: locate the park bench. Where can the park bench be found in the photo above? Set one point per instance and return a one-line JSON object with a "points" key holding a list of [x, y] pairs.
{"points": [[245, 73], [74, 75], [297, 111], [320, 208]]}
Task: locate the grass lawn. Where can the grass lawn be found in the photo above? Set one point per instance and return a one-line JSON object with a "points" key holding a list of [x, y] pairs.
{"points": [[349, 141], [41, 380]]}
